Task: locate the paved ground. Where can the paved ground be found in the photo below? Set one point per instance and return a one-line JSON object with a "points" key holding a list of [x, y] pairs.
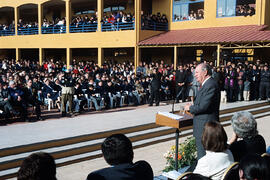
{"points": [[25, 133]]}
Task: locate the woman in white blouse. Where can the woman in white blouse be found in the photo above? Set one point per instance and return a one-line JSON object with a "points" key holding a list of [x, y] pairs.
{"points": [[218, 157]]}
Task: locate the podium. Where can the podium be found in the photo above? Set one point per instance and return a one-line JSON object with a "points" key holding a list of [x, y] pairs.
{"points": [[177, 123]]}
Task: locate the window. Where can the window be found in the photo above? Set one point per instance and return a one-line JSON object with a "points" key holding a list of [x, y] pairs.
{"points": [[229, 8], [188, 10], [114, 8]]}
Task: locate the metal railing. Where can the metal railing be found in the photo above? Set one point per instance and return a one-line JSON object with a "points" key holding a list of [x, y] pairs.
{"points": [[53, 30], [118, 26], [155, 26], [7, 32], [83, 28], [28, 31]]}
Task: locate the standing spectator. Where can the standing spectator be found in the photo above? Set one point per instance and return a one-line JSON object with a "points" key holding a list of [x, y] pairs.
{"points": [[240, 83], [155, 88], [254, 82], [180, 82], [265, 83], [246, 90]]}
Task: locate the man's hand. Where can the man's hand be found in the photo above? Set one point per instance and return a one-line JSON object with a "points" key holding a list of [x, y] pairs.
{"points": [[187, 106], [19, 98]]}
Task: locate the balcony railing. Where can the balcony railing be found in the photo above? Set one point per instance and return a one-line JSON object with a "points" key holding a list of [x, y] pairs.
{"points": [[118, 26], [28, 31], [7, 32], [83, 28], [53, 30], [155, 26]]}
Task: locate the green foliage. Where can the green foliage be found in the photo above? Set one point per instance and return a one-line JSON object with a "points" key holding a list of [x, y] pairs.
{"points": [[187, 154]]}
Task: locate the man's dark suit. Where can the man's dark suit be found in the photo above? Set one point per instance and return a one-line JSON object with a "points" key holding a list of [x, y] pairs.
{"points": [[140, 170], [155, 89], [180, 77], [204, 109]]}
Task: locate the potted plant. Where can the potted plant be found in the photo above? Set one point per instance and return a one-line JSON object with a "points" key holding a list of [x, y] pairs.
{"points": [[187, 155]]}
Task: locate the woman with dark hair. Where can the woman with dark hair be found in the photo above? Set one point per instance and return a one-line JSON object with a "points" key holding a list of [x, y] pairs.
{"points": [[253, 167], [214, 140], [37, 166]]}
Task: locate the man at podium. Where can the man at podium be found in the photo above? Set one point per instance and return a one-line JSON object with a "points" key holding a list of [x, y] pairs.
{"points": [[206, 104]]}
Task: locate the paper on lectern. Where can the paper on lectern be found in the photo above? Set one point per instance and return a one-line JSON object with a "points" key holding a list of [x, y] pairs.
{"points": [[171, 115]]}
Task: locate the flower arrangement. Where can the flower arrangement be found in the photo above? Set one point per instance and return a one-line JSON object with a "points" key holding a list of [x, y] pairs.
{"points": [[186, 155]]}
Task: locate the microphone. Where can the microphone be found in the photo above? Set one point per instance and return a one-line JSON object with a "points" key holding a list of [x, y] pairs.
{"points": [[176, 97]]}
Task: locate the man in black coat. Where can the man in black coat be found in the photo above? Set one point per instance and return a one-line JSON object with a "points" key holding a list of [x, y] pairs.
{"points": [[265, 83], [155, 88], [180, 82], [117, 151], [30, 96], [206, 104]]}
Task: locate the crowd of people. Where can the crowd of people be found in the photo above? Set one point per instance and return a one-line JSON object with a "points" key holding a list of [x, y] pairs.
{"points": [[118, 17], [246, 149], [86, 20], [245, 10], [148, 20], [117, 85], [193, 15], [54, 23], [6, 27]]}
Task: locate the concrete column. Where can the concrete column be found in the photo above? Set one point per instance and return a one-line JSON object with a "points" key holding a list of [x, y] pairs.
{"points": [[18, 54], [68, 10], [16, 18], [137, 56], [218, 54], [69, 56], [138, 9], [100, 4], [175, 58], [40, 18], [41, 52], [100, 56]]}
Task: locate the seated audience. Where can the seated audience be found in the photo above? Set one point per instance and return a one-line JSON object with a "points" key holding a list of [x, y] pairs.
{"points": [[117, 151], [37, 166], [253, 167], [214, 140], [245, 138]]}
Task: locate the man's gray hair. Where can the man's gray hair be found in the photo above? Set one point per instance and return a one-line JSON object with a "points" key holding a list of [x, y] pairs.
{"points": [[11, 83], [206, 67], [244, 124]]}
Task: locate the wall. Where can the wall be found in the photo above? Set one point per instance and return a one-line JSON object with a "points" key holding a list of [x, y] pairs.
{"points": [[73, 40], [162, 6]]}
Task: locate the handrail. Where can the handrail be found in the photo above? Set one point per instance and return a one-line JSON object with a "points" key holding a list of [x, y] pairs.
{"points": [[83, 28], [28, 31], [7, 32], [53, 30], [155, 26], [118, 26]]}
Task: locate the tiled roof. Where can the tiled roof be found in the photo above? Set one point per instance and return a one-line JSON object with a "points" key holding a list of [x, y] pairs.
{"points": [[249, 33]]}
